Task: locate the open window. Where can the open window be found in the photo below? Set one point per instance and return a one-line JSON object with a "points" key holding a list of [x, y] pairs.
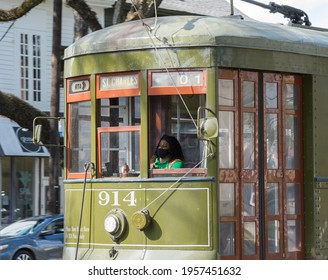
{"points": [[174, 98]]}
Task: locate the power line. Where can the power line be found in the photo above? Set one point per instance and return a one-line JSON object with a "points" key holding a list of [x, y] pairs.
{"points": [[4, 35]]}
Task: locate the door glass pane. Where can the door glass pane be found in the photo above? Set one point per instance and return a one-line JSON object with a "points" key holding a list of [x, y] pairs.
{"points": [[291, 97], [24, 189], [249, 141], [227, 239], [226, 139], [273, 236], [249, 238], [293, 198], [226, 92], [249, 199], [292, 142], [273, 198], [248, 94], [227, 199], [294, 235], [272, 140], [271, 95]]}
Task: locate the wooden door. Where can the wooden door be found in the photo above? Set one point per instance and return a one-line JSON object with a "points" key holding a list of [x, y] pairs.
{"points": [[261, 209]]}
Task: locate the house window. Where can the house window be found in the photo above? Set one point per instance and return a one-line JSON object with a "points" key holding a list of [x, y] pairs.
{"points": [[30, 66]]}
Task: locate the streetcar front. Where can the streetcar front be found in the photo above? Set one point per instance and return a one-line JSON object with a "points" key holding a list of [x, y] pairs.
{"points": [[119, 104]]}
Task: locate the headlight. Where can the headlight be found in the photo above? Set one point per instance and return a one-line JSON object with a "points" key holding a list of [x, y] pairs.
{"points": [[115, 224], [112, 224]]}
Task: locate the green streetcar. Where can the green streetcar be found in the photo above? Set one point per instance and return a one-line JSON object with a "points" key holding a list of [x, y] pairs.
{"points": [[248, 103]]}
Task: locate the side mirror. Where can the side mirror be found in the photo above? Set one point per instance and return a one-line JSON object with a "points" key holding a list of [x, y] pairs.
{"points": [[37, 132], [207, 126]]}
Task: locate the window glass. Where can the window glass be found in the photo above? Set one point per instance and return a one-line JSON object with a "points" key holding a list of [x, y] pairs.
{"points": [[272, 141], [79, 141], [227, 199], [249, 140], [57, 226], [226, 92], [293, 198], [248, 88], [249, 238], [30, 67], [120, 154], [294, 231], [249, 199], [226, 139], [273, 198], [271, 97], [227, 238], [119, 137], [292, 142], [273, 236], [171, 115], [123, 111], [292, 96]]}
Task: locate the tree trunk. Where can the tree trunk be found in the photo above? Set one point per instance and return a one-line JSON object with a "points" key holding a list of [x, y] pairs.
{"points": [[119, 13], [80, 27], [54, 163]]}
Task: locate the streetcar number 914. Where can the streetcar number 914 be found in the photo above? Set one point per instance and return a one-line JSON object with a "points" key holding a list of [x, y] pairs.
{"points": [[116, 198]]}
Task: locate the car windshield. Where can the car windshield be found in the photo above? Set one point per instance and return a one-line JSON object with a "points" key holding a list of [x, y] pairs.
{"points": [[19, 228]]}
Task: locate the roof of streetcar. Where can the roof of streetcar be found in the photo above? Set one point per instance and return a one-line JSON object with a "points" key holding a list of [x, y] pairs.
{"points": [[197, 31]]}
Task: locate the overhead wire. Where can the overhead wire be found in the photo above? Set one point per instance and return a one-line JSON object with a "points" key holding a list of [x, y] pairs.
{"points": [[149, 32]]}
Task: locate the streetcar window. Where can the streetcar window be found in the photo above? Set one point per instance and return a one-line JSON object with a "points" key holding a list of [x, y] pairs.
{"points": [[170, 115], [120, 154], [119, 137], [79, 141]]}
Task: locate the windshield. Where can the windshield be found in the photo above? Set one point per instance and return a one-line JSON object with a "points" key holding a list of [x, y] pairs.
{"points": [[19, 228]]}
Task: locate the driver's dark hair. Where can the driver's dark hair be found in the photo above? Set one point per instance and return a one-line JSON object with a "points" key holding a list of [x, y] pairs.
{"points": [[175, 147]]}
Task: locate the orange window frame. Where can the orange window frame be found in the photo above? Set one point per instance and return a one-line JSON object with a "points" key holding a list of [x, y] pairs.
{"points": [[177, 89], [80, 95], [72, 175], [113, 129]]}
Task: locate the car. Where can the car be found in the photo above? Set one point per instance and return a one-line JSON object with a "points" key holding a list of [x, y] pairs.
{"points": [[33, 238]]}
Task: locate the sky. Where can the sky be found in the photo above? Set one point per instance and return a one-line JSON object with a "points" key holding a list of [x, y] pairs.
{"points": [[317, 10]]}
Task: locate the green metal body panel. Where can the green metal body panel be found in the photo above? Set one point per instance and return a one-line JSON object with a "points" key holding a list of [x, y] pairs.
{"points": [[211, 43], [183, 216]]}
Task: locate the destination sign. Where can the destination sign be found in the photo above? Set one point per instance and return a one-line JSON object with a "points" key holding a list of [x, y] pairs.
{"points": [[115, 82], [165, 79], [79, 86]]}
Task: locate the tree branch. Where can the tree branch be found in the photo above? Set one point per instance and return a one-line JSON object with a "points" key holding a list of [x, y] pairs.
{"points": [[21, 10], [142, 9], [83, 9], [9, 105]]}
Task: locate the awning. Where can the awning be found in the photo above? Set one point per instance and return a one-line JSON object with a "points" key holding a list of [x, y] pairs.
{"points": [[16, 141]]}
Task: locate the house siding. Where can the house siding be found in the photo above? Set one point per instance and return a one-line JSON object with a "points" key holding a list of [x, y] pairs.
{"points": [[38, 21]]}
